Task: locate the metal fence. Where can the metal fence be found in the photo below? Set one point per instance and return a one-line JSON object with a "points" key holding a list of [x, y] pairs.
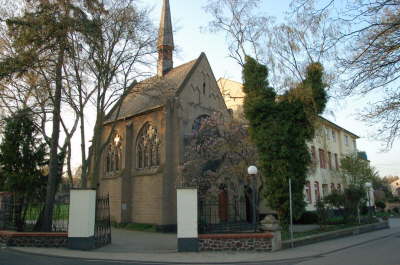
{"points": [[102, 230], [18, 216], [216, 217]]}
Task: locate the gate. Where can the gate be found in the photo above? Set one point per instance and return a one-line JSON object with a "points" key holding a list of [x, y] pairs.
{"points": [[102, 229]]}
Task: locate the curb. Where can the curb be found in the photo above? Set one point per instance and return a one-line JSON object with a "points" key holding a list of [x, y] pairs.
{"points": [[346, 232], [300, 258]]}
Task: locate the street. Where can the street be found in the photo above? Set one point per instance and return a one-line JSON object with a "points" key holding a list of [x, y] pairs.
{"points": [[383, 251]]}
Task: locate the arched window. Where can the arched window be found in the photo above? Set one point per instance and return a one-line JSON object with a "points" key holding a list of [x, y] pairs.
{"points": [[198, 122], [308, 191], [147, 147], [316, 190], [114, 155]]}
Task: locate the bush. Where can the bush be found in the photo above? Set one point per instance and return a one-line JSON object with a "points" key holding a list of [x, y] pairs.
{"points": [[308, 218], [396, 209], [322, 212], [380, 204]]}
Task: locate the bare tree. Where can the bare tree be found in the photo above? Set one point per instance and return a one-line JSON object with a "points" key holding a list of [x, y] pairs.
{"points": [[287, 48], [368, 56], [113, 60]]}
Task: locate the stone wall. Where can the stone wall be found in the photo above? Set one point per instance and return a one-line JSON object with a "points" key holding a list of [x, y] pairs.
{"points": [[20, 239], [236, 242]]}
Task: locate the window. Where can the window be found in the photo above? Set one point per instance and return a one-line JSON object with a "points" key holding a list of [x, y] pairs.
{"points": [[354, 144], [204, 88], [346, 140], [308, 192], [336, 162], [322, 162], [330, 160], [333, 135], [325, 190], [316, 190], [313, 155], [339, 187], [114, 155], [328, 136], [147, 147], [333, 187]]}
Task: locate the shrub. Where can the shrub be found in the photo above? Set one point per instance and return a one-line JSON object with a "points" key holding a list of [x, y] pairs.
{"points": [[380, 204], [308, 218], [322, 212], [396, 209]]}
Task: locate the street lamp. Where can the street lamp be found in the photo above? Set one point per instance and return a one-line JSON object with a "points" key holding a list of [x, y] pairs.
{"points": [[252, 171], [368, 185]]}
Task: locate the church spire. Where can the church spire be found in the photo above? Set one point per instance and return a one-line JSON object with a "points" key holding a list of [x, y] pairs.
{"points": [[165, 44]]}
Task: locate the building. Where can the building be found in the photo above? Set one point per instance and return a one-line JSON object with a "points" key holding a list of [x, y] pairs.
{"points": [[395, 187], [141, 163], [330, 144]]}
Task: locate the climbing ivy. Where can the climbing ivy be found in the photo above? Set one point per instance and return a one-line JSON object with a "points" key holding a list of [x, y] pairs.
{"points": [[280, 126]]}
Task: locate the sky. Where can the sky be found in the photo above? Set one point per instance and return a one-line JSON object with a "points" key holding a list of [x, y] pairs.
{"points": [[188, 17]]}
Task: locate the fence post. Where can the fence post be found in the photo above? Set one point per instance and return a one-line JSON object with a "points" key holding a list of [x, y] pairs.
{"points": [[81, 223], [187, 220]]}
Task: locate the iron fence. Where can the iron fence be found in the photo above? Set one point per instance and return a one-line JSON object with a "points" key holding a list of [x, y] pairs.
{"points": [[26, 216], [216, 217], [102, 232]]}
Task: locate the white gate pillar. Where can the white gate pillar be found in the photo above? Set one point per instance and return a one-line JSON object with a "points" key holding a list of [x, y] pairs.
{"points": [[187, 220], [82, 214]]}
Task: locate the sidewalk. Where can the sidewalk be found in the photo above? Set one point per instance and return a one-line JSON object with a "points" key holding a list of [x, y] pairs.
{"points": [[125, 251]]}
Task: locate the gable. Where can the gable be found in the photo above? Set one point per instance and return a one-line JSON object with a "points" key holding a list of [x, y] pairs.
{"points": [[200, 94]]}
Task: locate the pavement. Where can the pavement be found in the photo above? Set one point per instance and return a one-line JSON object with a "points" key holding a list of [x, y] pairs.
{"points": [[161, 248]]}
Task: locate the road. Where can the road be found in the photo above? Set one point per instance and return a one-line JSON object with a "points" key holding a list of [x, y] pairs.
{"points": [[384, 251]]}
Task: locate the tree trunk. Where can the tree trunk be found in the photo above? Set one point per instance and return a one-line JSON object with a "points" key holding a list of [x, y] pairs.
{"points": [[54, 159]]}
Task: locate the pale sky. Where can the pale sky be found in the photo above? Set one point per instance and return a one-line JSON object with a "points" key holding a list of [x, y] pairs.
{"points": [[188, 17]]}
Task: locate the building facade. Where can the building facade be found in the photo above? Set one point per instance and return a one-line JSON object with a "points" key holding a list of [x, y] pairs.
{"points": [[330, 144]]}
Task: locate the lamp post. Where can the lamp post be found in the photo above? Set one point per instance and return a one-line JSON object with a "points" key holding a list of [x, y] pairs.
{"points": [[252, 171], [368, 185]]}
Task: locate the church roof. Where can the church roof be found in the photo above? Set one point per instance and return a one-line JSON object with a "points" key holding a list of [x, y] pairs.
{"points": [[154, 91]]}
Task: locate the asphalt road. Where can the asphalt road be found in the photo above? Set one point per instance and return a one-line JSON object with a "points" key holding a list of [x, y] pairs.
{"points": [[383, 251]]}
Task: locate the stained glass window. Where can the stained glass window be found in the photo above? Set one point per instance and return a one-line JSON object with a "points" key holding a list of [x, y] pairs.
{"points": [[114, 155], [148, 147]]}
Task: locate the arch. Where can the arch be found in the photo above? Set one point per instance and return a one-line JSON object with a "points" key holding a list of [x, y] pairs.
{"points": [[114, 155], [147, 147], [198, 122]]}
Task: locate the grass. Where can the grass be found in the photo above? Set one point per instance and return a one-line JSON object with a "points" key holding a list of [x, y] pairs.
{"points": [[60, 212], [328, 228], [136, 227]]}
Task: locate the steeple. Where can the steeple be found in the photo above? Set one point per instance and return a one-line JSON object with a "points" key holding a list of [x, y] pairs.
{"points": [[165, 44]]}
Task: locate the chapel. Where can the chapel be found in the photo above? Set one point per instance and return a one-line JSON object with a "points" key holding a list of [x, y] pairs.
{"points": [[141, 165]]}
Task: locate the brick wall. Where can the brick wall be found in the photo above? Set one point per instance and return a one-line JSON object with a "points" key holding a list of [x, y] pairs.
{"points": [[20, 239], [236, 242]]}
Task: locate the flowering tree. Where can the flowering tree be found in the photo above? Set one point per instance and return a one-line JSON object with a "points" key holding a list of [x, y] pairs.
{"points": [[216, 157]]}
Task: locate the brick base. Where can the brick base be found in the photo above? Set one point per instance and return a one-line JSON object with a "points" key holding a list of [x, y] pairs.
{"points": [[236, 242], [18, 239]]}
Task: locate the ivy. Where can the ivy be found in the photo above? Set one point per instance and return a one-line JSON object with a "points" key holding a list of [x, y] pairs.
{"points": [[280, 126]]}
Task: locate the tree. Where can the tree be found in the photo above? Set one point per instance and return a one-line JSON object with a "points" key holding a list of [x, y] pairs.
{"points": [[40, 45], [280, 126], [287, 47], [22, 158], [368, 56], [356, 171], [115, 58], [217, 153]]}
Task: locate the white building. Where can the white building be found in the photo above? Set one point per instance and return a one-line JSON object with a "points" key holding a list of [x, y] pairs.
{"points": [[330, 144]]}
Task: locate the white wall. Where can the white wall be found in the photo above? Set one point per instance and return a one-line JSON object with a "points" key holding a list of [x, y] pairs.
{"points": [[82, 210], [187, 213]]}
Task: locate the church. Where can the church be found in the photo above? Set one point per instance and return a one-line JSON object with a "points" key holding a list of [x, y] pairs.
{"points": [[141, 164]]}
